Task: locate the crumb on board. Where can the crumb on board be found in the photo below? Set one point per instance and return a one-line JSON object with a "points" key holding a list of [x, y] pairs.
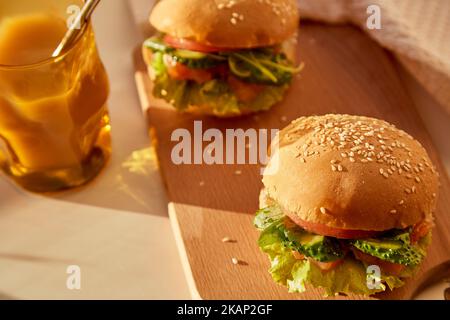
{"points": [[226, 239]]}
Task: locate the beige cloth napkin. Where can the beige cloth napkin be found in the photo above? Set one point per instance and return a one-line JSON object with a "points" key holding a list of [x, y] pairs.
{"points": [[417, 31]]}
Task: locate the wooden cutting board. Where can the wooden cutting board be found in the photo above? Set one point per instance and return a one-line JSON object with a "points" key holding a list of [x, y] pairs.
{"points": [[346, 72]]}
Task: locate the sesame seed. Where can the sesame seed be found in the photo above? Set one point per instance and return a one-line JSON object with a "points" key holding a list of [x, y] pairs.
{"points": [[226, 239], [417, 179], [163, 92], [393, 211], [401, 202], [238, 172], [434, 195], [340, 168], [230, 4], [386, 175], [234, 261], [323, 210], [381, 171], [413, 189], [302, 160], [333, 168], [407, 190], [220, 6], [201, 183], [351, 159], [333, 161], [233, 20], [343, 155]]}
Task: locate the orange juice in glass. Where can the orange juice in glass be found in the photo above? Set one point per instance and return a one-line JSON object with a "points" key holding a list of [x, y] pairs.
{"points": [[54, 124]]}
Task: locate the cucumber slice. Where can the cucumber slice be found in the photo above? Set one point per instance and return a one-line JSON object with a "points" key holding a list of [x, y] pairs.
{"points": [[384, 244], [197, 60], [320, 248], [238, 68], [155, 44], [188, 54], [391, 250]]}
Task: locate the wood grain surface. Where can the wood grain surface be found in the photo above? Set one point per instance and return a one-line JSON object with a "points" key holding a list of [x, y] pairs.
{"points": [[345, 72]]}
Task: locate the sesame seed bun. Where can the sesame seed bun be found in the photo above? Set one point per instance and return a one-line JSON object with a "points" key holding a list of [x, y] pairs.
{"points": [[228, 23], [350, 172]]}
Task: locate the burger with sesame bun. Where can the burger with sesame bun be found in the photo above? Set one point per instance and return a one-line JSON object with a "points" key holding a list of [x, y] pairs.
{"points": [[222, 57], [342, 193]]}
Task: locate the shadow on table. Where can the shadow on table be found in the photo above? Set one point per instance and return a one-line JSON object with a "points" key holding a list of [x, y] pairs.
{"points": [[4, 296], [30, 258]]}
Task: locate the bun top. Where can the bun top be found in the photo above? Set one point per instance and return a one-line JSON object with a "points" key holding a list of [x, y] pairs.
{"points": [[228, 23], [351, 172]]}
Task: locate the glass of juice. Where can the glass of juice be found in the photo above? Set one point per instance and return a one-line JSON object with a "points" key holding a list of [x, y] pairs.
{"points": [[54, 123]]}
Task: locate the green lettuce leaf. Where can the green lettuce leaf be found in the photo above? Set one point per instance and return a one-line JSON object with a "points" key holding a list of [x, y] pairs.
{"points": [[214, 95], [349, 277], [266, 216], [158, 63], [285, 269]]}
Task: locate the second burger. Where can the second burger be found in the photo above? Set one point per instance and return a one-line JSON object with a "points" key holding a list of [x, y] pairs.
{"points": [[222, 58]]}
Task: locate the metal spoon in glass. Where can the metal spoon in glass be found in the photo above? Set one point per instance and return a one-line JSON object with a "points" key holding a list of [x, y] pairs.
{"points": [[77, 25]]}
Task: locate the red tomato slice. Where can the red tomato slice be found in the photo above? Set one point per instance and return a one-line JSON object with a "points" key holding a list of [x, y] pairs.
{"points": [[332, 232], [420, 230], [386, 266], [180, 43], [327, 266], [181, 72], [245, 92]]}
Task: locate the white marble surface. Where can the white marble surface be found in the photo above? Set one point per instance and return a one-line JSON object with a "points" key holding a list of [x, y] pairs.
{"points": [[116, 229]]}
